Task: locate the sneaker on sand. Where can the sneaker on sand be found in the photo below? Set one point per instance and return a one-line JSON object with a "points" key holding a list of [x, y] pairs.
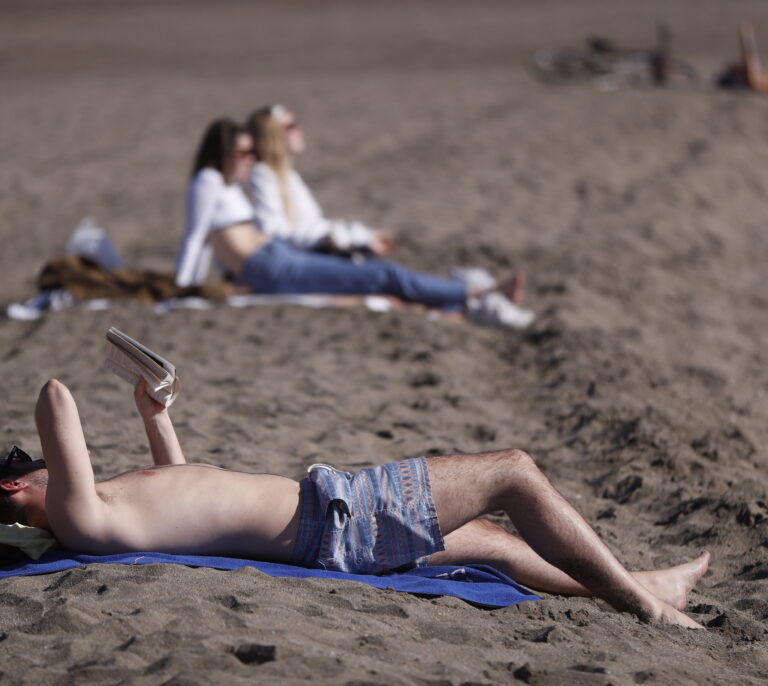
{"points": [[474, 278], [493, 309]]}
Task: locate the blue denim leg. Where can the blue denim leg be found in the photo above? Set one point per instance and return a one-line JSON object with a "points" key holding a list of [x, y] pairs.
{"points": [[280, 267]]}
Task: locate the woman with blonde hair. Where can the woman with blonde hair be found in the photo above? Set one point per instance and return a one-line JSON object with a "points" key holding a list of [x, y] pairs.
{"points": [[284, 207], [219, 224]]}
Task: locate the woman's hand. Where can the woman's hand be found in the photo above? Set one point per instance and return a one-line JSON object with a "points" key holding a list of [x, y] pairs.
{"points": [[147, 406]]}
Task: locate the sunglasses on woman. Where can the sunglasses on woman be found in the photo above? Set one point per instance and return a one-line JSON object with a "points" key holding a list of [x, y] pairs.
{"points": [[16, 456]]}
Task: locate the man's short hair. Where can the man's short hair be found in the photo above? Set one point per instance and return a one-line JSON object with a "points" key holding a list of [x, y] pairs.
{"points": [[10, 511]]}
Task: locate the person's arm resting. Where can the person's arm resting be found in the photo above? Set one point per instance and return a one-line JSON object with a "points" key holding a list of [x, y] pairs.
{"points": [[200, 204], [163, 442]]}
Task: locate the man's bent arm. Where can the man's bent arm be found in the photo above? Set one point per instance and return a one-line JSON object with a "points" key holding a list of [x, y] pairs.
{"points": [[71, 493], [163, 442]]}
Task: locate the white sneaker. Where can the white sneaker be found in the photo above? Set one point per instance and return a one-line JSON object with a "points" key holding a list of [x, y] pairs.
{"points": [[494, 309], [474, 278], [56, 300]]}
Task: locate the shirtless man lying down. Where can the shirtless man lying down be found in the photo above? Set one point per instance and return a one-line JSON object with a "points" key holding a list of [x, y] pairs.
{"points": [[414, 512]]}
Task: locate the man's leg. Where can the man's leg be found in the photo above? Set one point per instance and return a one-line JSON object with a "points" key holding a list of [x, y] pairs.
{"points": [[465, 487], [483, 542]]}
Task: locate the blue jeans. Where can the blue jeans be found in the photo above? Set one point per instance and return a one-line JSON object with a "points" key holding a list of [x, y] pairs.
{"points": [[280, 267]]}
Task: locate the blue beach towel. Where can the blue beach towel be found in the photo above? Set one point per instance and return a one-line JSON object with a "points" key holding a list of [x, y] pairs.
{"points": [[475, 583]]}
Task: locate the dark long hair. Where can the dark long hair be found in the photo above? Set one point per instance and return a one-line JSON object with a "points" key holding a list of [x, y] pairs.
{"points": [[217, 147]]}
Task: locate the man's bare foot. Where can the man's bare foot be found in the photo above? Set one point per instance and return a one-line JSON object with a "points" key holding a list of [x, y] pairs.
{"points": [[669, 615], [513, 288], [672, 585], [650, 609]]}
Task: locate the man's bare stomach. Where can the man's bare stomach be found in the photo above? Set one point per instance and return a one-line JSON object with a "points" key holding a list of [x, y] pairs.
{"points": [[197, 509]]}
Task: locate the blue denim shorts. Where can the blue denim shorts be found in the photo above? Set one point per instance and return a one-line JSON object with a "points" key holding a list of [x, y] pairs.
{"points": [[381, 519]]}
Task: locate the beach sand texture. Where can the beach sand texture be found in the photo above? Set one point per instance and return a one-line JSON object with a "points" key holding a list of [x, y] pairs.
{"points": [[640, 216]]}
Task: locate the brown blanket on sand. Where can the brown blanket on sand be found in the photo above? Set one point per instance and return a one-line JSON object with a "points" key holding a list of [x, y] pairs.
{"points": [[85, 279]]}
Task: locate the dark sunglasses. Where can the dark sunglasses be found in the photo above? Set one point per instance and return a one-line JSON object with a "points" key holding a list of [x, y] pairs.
{"points": [[15, 456]]}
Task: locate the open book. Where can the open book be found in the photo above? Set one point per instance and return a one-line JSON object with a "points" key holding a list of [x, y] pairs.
{"points": [[130, 360]]}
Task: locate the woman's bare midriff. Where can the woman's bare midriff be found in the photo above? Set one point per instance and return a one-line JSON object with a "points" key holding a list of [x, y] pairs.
{"points": [[235, 244]]}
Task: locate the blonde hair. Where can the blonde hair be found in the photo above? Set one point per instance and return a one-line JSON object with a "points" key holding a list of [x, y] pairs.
{"points": [[269, 147]]}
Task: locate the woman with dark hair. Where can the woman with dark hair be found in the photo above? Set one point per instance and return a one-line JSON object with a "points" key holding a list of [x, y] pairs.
{"points": [[284, 207], [219, 222], [215, 202]]}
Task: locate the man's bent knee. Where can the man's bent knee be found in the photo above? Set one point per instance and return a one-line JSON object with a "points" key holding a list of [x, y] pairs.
{"points": [[520, 461], [518, 471]]}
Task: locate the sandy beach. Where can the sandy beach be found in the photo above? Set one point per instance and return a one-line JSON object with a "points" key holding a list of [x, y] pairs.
{"points": [[638, 214]]}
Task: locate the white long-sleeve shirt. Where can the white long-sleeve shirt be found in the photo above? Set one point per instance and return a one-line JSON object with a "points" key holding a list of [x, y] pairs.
{"points": [[307, 227], [210, 204]]}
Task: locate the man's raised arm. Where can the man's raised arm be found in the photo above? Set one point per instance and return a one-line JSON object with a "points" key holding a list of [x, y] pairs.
{"points": [[163, 441], [71, 492]]}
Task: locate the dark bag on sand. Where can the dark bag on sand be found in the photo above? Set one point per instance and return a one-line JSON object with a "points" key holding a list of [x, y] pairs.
{"points": [[86, 280]]}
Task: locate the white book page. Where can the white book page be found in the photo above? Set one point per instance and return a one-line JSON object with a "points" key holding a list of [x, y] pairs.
{"points": [[163, 387]]}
